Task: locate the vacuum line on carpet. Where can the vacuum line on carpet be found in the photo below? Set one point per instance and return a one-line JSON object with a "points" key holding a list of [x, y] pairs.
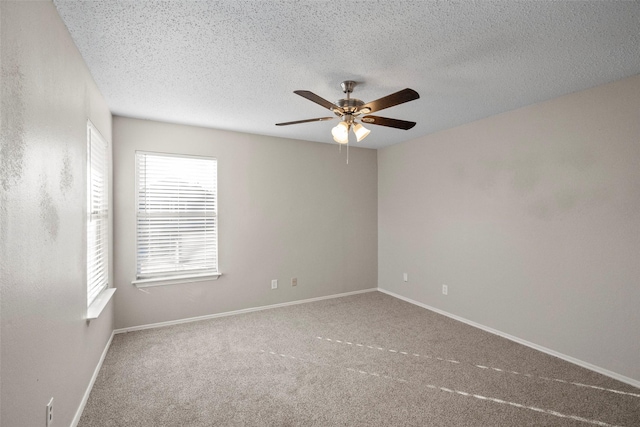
{"points": [[489, 368], [373, 374], [454, 392]]}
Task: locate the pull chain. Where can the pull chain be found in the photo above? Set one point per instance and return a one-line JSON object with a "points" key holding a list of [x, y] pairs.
{"points": [[347, 152]]}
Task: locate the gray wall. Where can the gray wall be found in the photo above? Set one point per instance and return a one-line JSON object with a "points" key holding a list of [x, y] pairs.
{"points": [[532, 218], [48, 349], [287, 209]]}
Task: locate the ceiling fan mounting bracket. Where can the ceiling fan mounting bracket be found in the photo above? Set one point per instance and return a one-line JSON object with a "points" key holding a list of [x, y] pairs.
{"points": [[347, 86]]}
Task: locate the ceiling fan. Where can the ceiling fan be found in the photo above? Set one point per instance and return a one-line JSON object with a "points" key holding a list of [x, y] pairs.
{"points": [[349, 109]]}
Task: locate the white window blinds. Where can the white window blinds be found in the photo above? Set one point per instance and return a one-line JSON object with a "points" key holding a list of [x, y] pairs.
{"points": [[176, 205], [97, 214]]}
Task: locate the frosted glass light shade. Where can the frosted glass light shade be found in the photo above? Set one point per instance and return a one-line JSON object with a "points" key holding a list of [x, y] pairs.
{"points": [[341, 133], [341, 141], [360, 131]]}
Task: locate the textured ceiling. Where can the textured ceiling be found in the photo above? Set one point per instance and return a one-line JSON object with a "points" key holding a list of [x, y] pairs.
{"points": [[234, 64]]}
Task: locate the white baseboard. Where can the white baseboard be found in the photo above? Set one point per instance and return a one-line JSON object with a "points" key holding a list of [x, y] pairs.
{"points": [[87, 392], [570, 359], [232, 313]]}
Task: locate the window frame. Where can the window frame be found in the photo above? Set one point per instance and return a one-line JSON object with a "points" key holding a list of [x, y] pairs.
{"points": [[97, 296], [213, 273]]}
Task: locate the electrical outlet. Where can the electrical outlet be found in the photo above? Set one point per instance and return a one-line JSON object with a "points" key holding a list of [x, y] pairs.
{"points": [[294, 281], [445, 290], [49, 413], [274, 284], [405, 277]]}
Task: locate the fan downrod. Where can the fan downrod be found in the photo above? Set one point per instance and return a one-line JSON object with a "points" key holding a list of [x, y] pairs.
{"points": [[348, 105]]}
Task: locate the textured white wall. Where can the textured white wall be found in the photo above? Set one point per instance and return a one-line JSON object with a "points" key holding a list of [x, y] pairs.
{"points": [[48, 349], [532, 218], [287, 209]]}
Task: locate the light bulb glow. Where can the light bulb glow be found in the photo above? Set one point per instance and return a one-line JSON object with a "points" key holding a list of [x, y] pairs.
{"points": [[341, 141], [360, 131], [341, 133]]}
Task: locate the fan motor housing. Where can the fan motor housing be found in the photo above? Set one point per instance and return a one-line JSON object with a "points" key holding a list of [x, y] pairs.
{"points": [[349, 105]]}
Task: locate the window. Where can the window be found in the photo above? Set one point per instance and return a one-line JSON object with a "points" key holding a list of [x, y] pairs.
{"points": [[177, 230], [97, 214]]}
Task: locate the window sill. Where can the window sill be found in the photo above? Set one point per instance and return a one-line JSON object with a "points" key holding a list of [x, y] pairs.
{"points": [[98, 305], [164, 281]]}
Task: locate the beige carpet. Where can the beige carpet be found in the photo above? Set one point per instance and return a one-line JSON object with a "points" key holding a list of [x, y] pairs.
{"points": [[363, 360]]}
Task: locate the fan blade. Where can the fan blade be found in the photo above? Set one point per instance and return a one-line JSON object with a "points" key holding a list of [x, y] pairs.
{"points": [[317, 99], [392, 123], [319, 119], [400, 97]]}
